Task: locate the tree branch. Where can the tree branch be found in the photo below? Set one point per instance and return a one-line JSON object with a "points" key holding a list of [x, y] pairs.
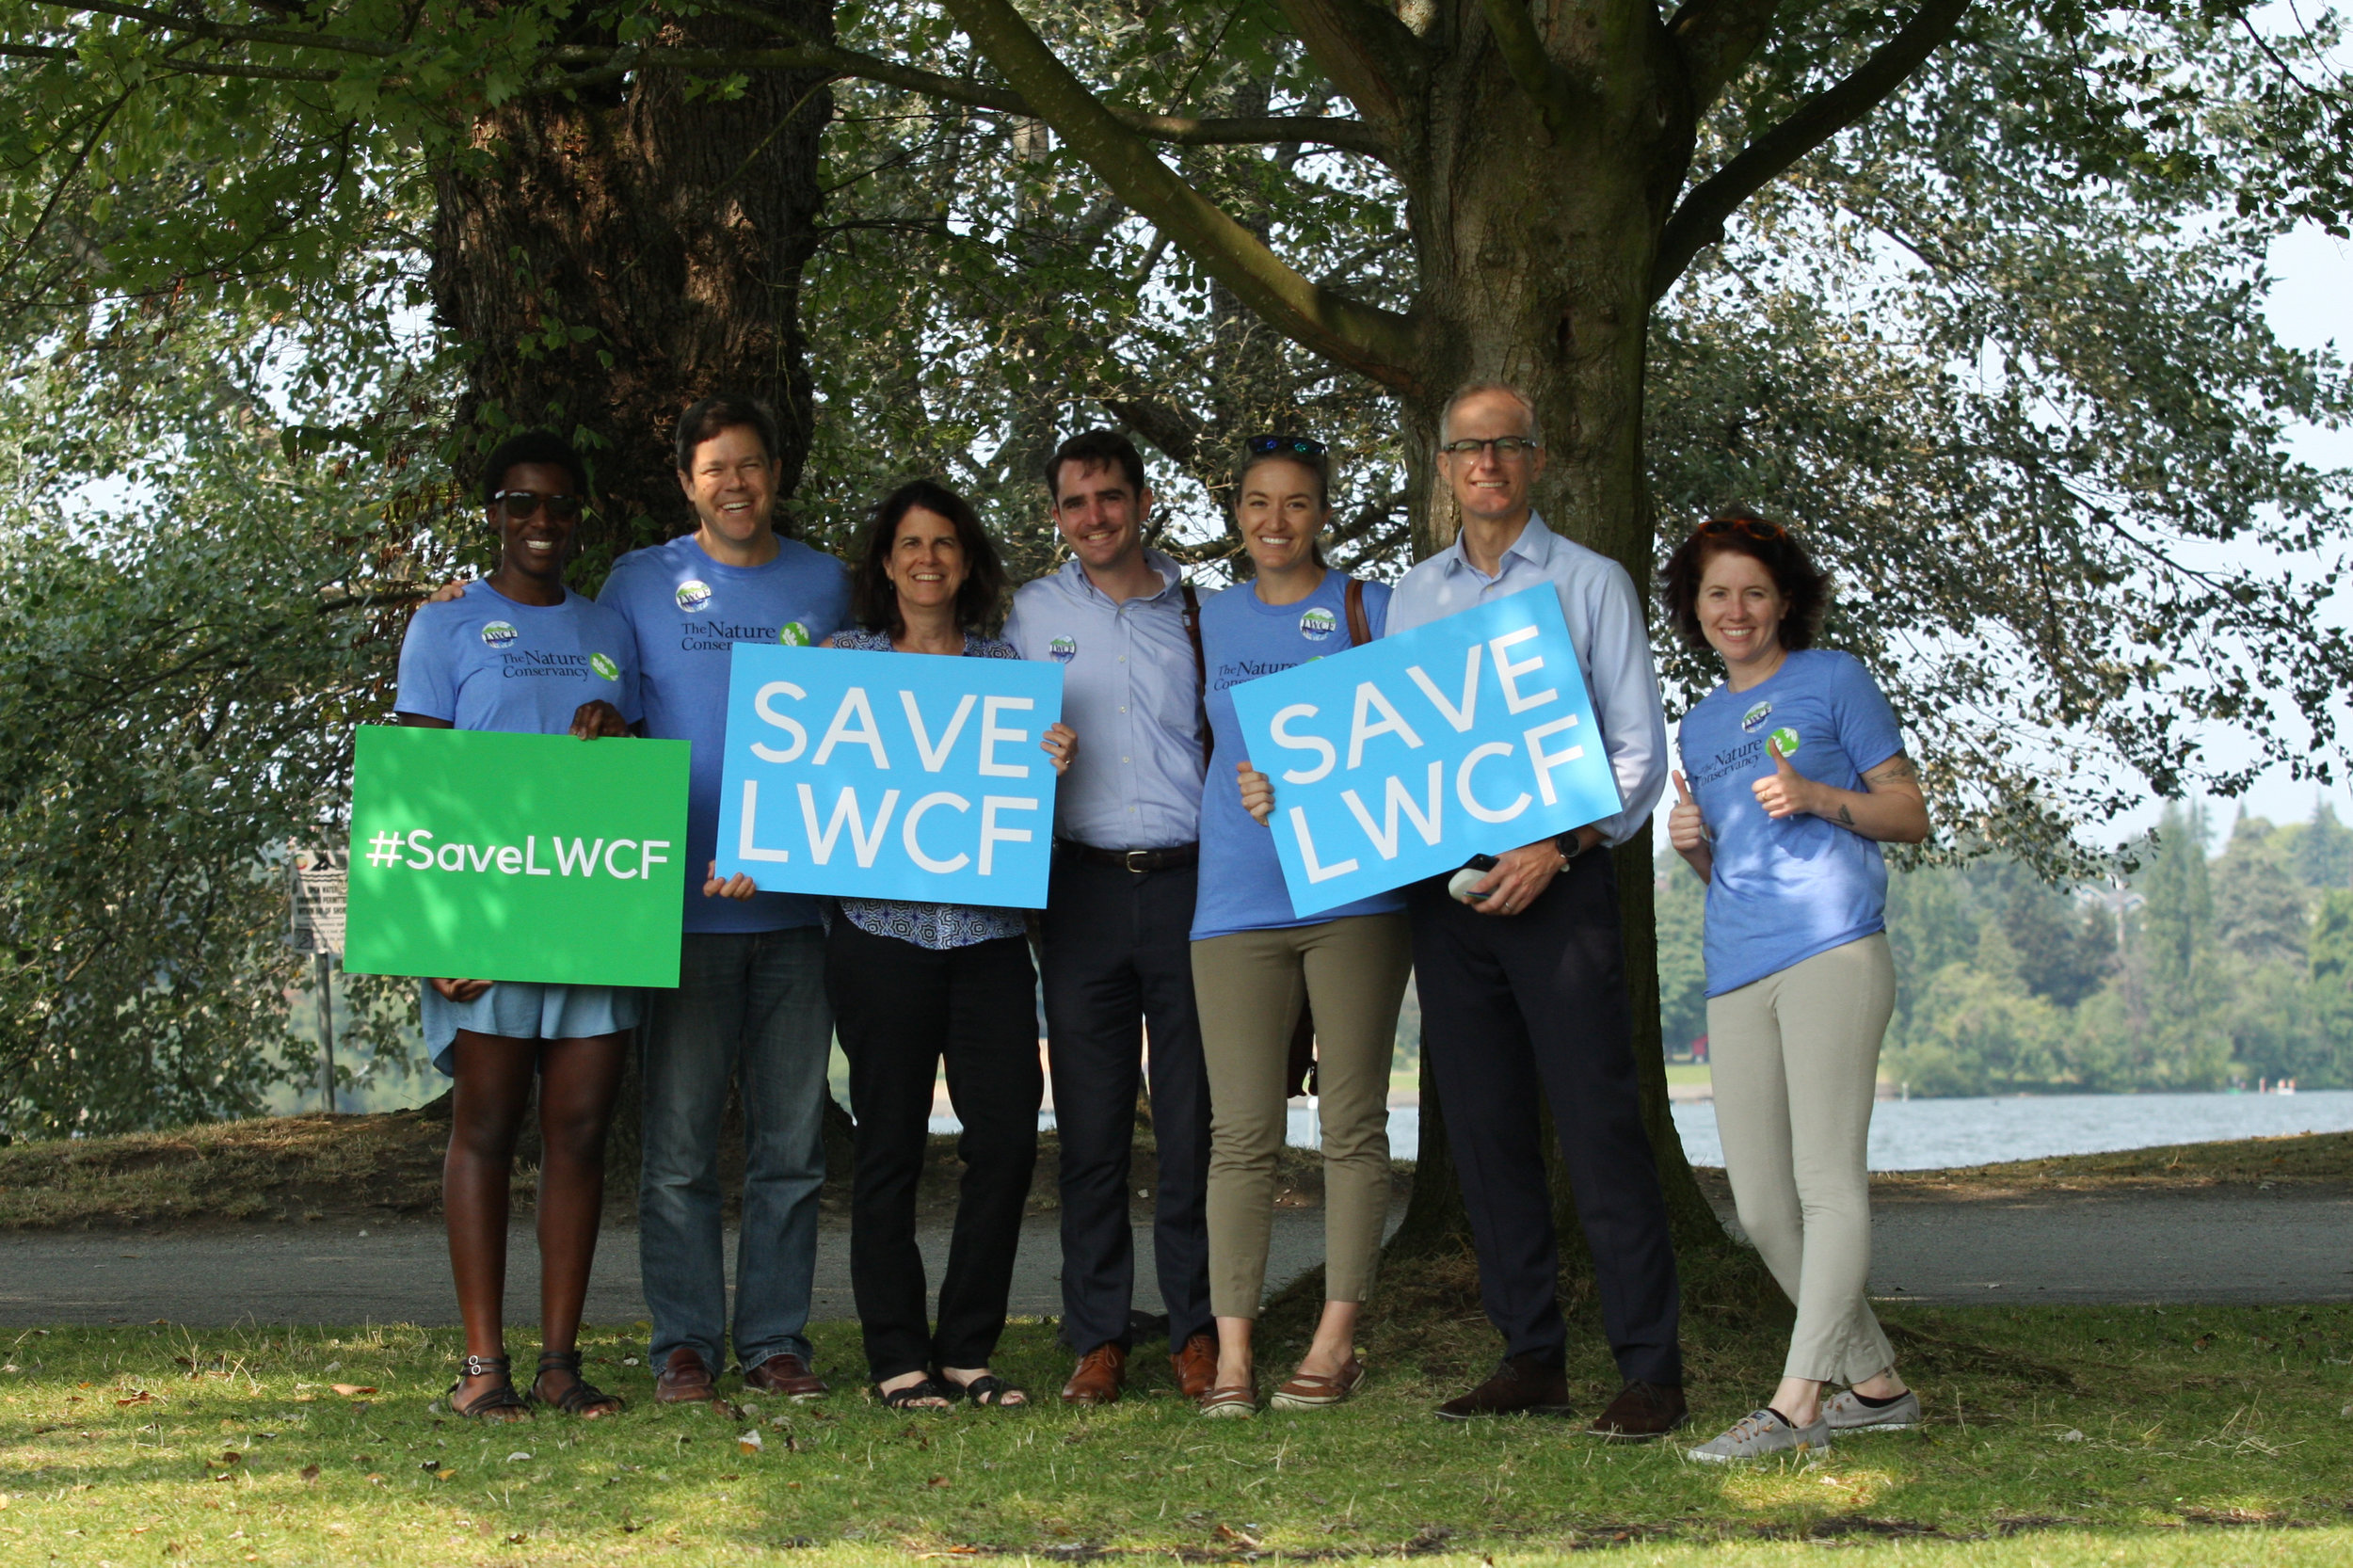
{"points": [[1524, 56], [1715, 39], [1367, 338], [1369, 55], [1699, 222], [293, 37]]}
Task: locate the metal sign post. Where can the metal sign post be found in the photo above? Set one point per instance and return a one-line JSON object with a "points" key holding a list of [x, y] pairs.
{"points": [[315, 894]]}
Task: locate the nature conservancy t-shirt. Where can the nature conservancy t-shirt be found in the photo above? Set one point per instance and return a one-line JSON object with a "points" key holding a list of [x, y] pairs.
{"points": [[1781, 891], [484, 662], [1244, 637], [688, 612]]}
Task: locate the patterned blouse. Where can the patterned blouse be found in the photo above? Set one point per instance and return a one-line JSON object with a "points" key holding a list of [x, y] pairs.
{"points": [[936, 927]]}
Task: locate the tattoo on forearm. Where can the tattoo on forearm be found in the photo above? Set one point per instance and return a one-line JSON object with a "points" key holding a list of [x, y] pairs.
{"points": [[1845, 816], [1896, 768]]}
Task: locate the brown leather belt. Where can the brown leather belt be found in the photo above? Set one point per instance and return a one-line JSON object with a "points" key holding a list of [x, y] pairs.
{"points": [[1136, 861]]}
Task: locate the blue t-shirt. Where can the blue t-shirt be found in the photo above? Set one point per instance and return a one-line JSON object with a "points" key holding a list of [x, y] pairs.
{"points": [[484, 662], [689, 612], [1244, 637], [1779, 892]]}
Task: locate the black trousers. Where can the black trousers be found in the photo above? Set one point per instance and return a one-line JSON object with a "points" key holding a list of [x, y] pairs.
{"points": [[899, 1008], [1516, 1006], [1117, 952]]}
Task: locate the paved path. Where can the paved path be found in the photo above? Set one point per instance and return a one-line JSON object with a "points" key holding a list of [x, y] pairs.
{"points": [[2228, 1246]]}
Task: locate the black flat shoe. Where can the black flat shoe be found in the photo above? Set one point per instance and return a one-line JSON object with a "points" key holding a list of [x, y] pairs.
{"points": [[580, 1396]]}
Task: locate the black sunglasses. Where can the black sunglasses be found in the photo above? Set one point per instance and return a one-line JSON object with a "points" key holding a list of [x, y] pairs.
{"points": [[1755, 528], [518, 505], [1262, 445]]}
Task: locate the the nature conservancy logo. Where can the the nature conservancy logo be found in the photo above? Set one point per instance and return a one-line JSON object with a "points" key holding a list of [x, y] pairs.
{"points": [[693, 594], [1062, 649], [498, 635], [1755, 717], [1787, 738], [604, 666], [792, 634], [622, 859], [1317, 624]]}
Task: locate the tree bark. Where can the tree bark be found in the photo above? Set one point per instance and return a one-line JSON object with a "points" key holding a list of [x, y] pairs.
{"points": [[606, 258]]}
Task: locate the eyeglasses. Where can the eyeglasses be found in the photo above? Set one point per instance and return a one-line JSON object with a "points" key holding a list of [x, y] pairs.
{"points": [[1262, 445], [518, 505], [1755, 528], [1503, 446]]}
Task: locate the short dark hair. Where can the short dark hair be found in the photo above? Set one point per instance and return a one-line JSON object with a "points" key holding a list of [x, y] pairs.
{"points": [[1317, 463], [531, 447], [1094, 449], [875, 603], [715, 416], [1739, 530]]}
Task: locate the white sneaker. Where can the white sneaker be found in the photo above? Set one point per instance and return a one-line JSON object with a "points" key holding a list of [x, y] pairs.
{"points": [[1761, 1434], [1848, 1413]]}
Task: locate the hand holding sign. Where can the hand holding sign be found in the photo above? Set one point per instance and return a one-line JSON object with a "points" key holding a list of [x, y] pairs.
{"points": [[1687, 830], [1258, 792], [1788, 792]]}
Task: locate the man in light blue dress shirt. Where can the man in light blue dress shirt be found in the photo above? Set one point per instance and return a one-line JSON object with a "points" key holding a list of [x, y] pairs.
{"points": [[1115, 951], [1523, 981]]}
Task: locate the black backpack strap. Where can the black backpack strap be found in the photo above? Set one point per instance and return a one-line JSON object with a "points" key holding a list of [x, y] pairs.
{"points": [[1200, 667]]}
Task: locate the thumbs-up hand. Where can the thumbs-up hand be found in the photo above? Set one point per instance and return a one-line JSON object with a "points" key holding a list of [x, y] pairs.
{"points": [[1687, 830], [1788, 792]]}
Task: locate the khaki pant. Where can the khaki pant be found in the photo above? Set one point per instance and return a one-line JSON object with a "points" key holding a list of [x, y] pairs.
{"points": [[1794, 1062], [1249, 987]]}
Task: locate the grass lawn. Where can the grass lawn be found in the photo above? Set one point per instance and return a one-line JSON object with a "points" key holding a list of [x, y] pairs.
{"points": [[2059, 1436]]}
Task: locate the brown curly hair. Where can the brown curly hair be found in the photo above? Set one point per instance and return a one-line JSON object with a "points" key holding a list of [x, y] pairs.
{"points": [[1804, 586], [873, 599]]}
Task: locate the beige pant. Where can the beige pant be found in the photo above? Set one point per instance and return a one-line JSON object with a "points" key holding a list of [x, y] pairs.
{"points": [[1248, 987], [1795, 1062]]}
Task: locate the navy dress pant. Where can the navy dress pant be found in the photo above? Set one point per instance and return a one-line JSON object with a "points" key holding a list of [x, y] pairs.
{"points": [[1117, 956], [1518, 1007]]}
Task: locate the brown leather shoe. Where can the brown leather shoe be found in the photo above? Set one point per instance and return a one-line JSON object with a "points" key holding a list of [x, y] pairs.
{"points": [[1097, 1378], [684, 1378], [1519, 1384], [1641, 1413], [787, 1375], [1195, 1363]]}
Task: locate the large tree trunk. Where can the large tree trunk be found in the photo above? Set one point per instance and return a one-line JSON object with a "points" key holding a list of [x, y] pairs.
{"points": [[1536, 257], [605, 261]]}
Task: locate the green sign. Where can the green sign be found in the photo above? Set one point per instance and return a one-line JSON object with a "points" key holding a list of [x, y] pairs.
{"points": [[478, 856]]}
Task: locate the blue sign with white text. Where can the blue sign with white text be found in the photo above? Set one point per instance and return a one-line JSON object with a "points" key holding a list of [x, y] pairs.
{"points": [[1406, 757], [889, 775]]}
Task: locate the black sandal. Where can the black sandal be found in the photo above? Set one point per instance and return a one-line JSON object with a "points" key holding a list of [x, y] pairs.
{"points": [[581, 1397], [987, 1389], [906, 1398], [498, 1402]]}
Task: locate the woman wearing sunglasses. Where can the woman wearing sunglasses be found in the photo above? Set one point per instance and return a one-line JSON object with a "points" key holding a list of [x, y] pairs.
{"points": [[520, 652], [1255, 965], [1793, 775]]}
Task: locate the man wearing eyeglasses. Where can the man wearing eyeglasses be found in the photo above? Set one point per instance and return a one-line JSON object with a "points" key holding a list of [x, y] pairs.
{"points": [[751, 1004], [1523, 979], [1116, 944]]}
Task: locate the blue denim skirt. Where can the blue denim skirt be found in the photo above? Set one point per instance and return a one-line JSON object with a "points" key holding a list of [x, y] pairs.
{"points": [[522, 1010]]}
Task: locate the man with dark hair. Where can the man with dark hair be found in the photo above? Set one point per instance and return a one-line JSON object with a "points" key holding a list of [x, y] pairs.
{"points": [[1116, 949], [751, 1004]]}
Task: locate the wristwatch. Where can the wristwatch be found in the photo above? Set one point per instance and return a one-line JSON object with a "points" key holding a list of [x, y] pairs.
{"points": [[1566, 846]]}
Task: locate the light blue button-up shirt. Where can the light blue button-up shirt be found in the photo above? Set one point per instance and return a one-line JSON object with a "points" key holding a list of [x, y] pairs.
{"points": [[1132, 694], [1605, 616]]}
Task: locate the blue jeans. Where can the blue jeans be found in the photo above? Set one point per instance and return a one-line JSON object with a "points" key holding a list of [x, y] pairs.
{"points": [[749, 1003]]}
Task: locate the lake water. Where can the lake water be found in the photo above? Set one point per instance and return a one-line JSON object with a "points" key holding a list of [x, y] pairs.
{"points": [[1930, 1134]]}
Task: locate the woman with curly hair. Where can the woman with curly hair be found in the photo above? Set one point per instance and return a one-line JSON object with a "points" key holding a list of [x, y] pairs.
{"points": [[1797, 775]]}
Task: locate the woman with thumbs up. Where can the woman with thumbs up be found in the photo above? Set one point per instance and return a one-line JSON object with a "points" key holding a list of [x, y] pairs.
{"points": [[1793, 774]]}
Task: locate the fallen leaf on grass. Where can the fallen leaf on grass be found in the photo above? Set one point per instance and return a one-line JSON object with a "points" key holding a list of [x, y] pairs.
{"points": [[375, 1479], [230, 1456], [1227, 1532], [137, 1396], [515, 1455], [749, 1442], [352, 1390], [311, 1472]]}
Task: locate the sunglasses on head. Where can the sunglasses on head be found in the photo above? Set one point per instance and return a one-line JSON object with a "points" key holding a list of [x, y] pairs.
{"points": [[1755, 528], [1262, 445], [515, 506]]}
